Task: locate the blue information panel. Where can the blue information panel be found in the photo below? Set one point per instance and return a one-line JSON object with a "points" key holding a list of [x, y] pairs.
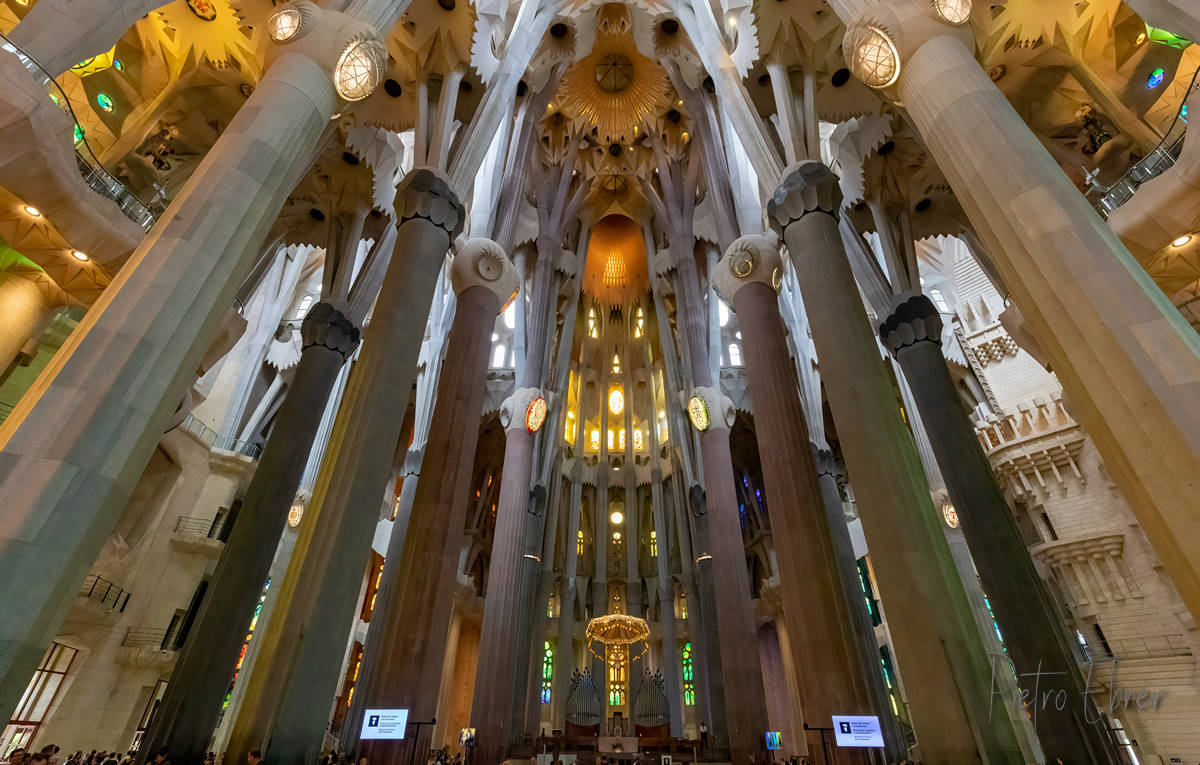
{"points": [[857, 730], [384, 724]]}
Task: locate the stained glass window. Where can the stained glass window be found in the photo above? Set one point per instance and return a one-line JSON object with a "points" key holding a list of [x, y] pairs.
{"points": [[616, 676], [653, 544], [689, 681], [547, 670], [237, 668], [579, 543]]}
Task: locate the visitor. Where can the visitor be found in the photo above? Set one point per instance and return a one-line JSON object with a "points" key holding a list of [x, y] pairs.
{"points": [[16, 756], [160, 757], [254, 757]]}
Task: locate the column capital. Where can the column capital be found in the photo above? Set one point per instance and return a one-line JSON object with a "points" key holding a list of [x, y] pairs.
{"points": [[482, 263], [914, 319], [349, 49], [882, 36], [515, 411], [709, 409], [807, 186], [426, 193], [752, 258], [326, 326]]}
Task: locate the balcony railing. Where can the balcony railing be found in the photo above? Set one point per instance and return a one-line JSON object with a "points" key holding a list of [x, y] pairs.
{"points": [[1156, 647], [1154, 164], [94, 174], [212, 528], [217, 441], [140, 637], [104, 592]]}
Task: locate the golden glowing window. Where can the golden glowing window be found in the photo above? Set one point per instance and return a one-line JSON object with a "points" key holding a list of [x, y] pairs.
{"points": [[621, 439], [616, 400], [639, 326], [653, 544], [579, 543], [594, 440], [569, 429], [610, 439], [593, 328], [616, 365], [639, 441]]}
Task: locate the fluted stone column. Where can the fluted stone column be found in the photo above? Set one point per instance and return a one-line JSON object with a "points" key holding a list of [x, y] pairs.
{"points": [[1126, 357], [188, 713], [286, 706], [824, 644], [666, 600], [1032, 631], [928, 613], [721, 566], [495, 720], [74, 447], [564, 657], [406, 646]]}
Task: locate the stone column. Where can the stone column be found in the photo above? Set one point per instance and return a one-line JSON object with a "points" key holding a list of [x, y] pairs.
{"points": [[564, 657], [286, 706], [1032, 630], [406, 646], [928, 613], [495, 720], [824, 643], [721, 566], [188, 713], [1126, 357], [73, 449], [27, 313], [666, 599]]}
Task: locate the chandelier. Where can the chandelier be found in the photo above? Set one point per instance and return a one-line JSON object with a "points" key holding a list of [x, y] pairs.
{"points": [[619, 630]]}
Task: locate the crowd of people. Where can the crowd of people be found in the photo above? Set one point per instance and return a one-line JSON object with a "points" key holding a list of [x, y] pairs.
{"points": [[50, 755]]}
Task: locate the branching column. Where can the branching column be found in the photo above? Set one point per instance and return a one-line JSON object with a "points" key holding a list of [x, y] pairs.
{"points": [[1032, 631], [928, 614], [76, 444], [824, 646], [1125, 355], [406, 646], [188, 713], [285, 709]]}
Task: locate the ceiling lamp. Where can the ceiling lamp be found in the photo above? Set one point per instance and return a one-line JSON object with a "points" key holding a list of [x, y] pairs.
{"points": [[953, 11], [535, 415], [698, 413], [32, 211], [616, 401], [359, 69], [295, 514], [619, 631], [616, 518], [874, 57], [951, 516], [1181, 241], [283, 24], [79, 255]]}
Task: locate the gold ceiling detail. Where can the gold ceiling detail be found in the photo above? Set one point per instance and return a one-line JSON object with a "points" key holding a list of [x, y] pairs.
{"points": [[211, 28], [614, 88], [616, 262]]}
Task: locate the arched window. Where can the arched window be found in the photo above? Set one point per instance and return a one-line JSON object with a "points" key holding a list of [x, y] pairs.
{"points": [[498, 356], [304, 305], [653, 543], [547, 671], [689, 680], [939, 300], [735, 355], [722, 312], [579, 543]]}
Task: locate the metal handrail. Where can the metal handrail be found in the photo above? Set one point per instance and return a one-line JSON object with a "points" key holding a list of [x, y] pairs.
{"points": [[1155, 163], [94, 174], [1154, 647], [104, 592], [217, 441], [211, 528], [141, 637]]}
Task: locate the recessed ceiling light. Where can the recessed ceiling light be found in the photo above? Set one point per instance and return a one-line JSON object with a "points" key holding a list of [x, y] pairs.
{"points": [[1181, 241], [79, 255], [31, 210], [616, 517]]}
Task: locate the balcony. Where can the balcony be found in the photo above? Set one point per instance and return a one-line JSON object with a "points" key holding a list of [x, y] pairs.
{"points": [[217, 442], [1128, 649], [100, 602], [200, 536], [147, 648]]}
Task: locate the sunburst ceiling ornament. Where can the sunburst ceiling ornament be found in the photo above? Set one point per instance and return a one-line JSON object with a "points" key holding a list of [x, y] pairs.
{"points": [[210, 28], [614, 88]]}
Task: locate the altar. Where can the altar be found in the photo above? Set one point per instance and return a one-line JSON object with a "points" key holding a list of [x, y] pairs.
{"points": [[617, 744]]}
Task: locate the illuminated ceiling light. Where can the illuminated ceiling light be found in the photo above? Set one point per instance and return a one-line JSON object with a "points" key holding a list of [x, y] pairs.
{"points": [[359, 69], [104, 101], [1181, 241], [616, 536], [733, 21], [79, 255], [535, 415], [616, 518], [32, 211], [283, 24], [616, 401], [1156, 78], [1141, 38], [698, 413], [874, 58], [953, 11], [951, 516], [295, 515]]}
